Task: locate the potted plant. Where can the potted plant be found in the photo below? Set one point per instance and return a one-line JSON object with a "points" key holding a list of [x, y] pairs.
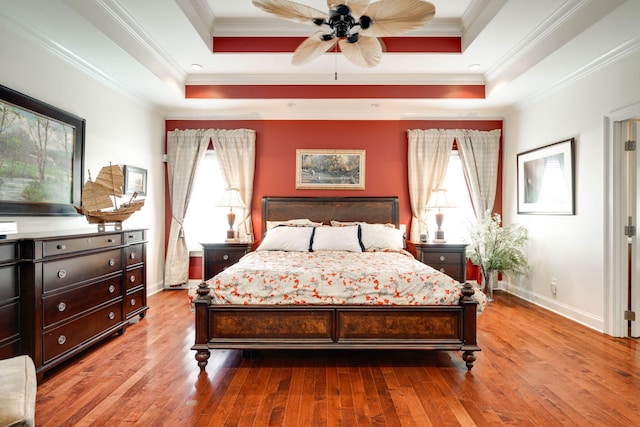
{"points": [[496, 249]]}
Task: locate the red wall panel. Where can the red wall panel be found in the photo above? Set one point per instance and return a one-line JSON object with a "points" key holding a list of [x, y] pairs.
{"points": [[385, 142]]}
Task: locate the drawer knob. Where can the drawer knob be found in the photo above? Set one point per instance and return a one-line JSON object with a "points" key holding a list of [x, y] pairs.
{"points": [[442, 270], [112, 262], [61, 247], [442, 258], [133, 255], [110, 241], [62, 306], [132, 278], [225, 257], [62, 339], [133, 301], [112, 315], [62, 274], [112, 289], [130, 236]]}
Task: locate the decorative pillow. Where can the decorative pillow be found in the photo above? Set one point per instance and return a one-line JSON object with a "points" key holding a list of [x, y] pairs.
{"points": [[379, 236], [293, 223], [336, 239], [348, 223], [284, 238]]}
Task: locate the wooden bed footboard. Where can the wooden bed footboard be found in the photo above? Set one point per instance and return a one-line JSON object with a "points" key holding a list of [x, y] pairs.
{"points": [[430, 327]]}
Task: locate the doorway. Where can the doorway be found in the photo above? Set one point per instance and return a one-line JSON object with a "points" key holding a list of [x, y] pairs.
{"points": [[622, 204]]}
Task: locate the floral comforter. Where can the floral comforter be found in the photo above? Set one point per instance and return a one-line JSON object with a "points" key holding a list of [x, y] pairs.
{"points": [[335, 277]]}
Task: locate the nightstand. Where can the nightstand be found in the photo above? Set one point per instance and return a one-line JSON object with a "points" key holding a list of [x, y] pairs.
{"points": [[218, 256], [446, 257]]}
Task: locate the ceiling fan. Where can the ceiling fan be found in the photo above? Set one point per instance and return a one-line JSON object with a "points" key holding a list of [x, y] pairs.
{"points": [[354, 25]]}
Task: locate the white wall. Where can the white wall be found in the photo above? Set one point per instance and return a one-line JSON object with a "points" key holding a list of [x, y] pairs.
{"points": [[119, 129], [569, 248]]}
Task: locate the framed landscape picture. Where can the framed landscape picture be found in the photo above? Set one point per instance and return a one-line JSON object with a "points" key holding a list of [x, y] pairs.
{"points": [[546, 181], [42, 157], [135, 180], [330, 169]]}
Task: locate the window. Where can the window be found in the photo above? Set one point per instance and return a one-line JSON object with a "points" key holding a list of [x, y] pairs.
{"points": [[456, 221], [205, 222]]}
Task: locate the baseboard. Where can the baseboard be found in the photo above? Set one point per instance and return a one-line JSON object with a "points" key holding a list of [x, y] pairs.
{"points": [[557, 307]]}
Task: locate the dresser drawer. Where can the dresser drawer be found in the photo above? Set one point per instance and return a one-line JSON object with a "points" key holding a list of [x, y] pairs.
{"points": [[8, 252], [134, 254], [64, 338], [65, 305], [65, 246], [442, 258], [9, 285], [9, 320], [133, 302], [58, 274], [134, 236], [134, 278]]}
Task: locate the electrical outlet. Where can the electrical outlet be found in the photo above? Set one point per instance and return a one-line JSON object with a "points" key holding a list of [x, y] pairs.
{"points": [[554, 286]]}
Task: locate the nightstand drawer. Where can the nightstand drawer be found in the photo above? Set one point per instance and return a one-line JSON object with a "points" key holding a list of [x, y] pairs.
{"points": [[218, 256], [442, 258]]}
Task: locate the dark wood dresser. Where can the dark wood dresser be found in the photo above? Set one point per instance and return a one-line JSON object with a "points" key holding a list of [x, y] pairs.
{"points": [[447, 257], [10, 328], [75, 289]]}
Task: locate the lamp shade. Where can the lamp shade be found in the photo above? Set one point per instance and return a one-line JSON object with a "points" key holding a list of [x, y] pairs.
{"points": [[231, 198], [440, 199]]}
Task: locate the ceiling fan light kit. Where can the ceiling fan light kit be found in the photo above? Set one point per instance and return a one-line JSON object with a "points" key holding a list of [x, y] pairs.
{"points": [[354, 25]]}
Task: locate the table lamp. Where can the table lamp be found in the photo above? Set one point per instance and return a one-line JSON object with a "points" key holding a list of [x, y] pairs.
{"points": [[439, 200], [231, 198]]}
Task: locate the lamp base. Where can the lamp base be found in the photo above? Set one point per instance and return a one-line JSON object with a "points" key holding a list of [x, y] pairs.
{"points": [[438, 241]]}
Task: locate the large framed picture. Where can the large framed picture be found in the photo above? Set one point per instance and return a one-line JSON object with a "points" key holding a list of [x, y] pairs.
{"points": [[330, 169], [546, 180], [42, 152]]}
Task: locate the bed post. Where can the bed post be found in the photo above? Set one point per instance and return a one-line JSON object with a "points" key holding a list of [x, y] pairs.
{"points": [[201, 347], [470, 344]]}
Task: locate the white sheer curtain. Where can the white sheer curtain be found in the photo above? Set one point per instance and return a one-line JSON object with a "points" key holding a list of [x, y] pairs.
{"points": [[479, 155], [185, 150], [428, 158], [236, 153]]}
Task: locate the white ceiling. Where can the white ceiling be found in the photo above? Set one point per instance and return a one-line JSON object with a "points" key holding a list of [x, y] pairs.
{"points": [[146, 49]]}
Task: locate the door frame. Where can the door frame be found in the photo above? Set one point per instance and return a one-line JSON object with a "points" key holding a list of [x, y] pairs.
{"points": [[615, 292]]}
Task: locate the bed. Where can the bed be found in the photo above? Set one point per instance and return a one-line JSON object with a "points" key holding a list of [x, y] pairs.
{"points": [[251, 322]]}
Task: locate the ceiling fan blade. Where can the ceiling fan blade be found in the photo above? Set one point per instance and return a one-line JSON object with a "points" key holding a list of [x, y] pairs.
{"points": [[311, 48], [366, 52], [393, 17], [290, 10], [357, 7]]}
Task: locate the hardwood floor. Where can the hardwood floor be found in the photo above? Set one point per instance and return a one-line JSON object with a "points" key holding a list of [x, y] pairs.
{"points": [[536, 369]]}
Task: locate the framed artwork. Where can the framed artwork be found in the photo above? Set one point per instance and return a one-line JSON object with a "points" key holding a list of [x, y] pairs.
{"points": [[135, 180], [42, 157], [546, 180], [330, 169]]}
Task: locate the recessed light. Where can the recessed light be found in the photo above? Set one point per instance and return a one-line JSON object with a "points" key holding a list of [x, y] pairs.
{"points": [[375, 105], [474, 67], [196, 66], [291, 104]]}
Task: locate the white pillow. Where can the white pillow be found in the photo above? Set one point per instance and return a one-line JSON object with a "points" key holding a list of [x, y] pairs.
{"points": [[292, 239], [379, 236], [336, 239], [293, 222]]}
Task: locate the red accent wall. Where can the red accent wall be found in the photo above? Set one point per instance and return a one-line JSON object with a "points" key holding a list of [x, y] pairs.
{"points": [[385, 143]]}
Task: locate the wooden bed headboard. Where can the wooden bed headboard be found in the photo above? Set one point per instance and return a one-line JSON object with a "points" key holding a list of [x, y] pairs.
{"points": [[325, 209]]}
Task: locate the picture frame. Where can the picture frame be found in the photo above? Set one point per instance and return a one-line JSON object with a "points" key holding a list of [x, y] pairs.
{"points": [[546, 179], [42, 148], [135, 180], [330, 169]]}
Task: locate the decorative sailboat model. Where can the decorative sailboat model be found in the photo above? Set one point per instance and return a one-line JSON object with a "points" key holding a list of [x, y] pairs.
{"points": [[99, 203]]}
